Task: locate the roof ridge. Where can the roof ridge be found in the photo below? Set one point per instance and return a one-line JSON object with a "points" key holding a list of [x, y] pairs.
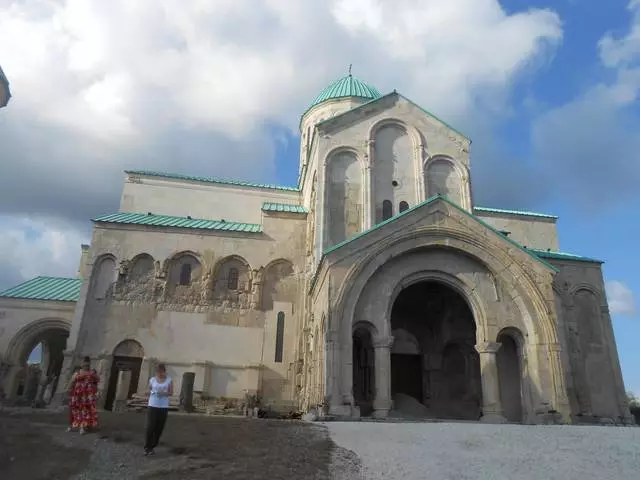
{"points": [[174, 221]]}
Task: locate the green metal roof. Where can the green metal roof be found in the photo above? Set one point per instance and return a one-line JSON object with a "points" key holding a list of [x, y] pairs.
{"points": [[283, 207], [511, 212], [554, 255], [220, 181], [344, 87], [178, 222], [59, 289]]}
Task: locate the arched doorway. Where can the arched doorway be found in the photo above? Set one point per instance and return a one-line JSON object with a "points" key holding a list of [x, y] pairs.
{"points": [[35, 356], [363, 369], [433, 359], [509, 363], [127, 355]]}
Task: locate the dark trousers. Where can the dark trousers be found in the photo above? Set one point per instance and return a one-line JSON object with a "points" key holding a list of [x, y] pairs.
{"points": [[156, 418]]}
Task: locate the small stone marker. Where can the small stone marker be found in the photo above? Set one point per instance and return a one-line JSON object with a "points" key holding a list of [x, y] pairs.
{"points": [[122, 391], [186, 391]]}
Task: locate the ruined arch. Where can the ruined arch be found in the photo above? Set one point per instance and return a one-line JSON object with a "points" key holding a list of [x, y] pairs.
{"points": [[175, 268], [52, 333], [142, 268], [278, 284], [129, 348], [127, 356], [232, 281]]}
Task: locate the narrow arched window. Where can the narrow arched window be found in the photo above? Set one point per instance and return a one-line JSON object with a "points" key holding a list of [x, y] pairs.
{"points": [[387, 210], [279, 337], [185, 274], [232, 280], [403, 206]]}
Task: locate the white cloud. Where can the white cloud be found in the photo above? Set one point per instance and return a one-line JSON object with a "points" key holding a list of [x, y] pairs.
{"points": [[621, 299], [37, 247], [589, 138], [100, 86]]}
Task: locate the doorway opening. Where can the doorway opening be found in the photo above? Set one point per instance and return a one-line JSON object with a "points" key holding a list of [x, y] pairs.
{"points": [[127, 355], [509, 363], [435, 369], [363, 369]]}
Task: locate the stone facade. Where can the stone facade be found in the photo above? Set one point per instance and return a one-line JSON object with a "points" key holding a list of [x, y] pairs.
{"points": [[383, 284]]}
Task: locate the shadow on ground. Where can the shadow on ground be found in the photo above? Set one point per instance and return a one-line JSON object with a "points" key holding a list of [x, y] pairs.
{"points": [[203, 448]]}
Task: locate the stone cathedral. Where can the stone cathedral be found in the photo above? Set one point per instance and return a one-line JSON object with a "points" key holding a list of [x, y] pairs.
{"points": [[375, 284]]}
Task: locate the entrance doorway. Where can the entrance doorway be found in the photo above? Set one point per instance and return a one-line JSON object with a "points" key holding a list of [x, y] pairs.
{"points": [[509, 375], [127, 356], [363, 369], [433, 359]]}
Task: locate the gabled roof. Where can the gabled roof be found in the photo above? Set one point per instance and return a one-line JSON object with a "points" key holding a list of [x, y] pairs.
{"points": [[59, 289], [433, 199], [512, 212], [154, 220], [283, 207], [382, 98], [192, 178]]}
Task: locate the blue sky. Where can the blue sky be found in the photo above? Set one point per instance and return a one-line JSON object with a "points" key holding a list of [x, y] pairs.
{"points": [[547, 91]]}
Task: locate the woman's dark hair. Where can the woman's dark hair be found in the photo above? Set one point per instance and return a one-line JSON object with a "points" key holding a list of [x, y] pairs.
{"points": [[162, 367], [86, 359]]}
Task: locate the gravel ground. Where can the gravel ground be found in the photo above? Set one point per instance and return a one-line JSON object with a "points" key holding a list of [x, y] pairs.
{"points": [[471, 451]]}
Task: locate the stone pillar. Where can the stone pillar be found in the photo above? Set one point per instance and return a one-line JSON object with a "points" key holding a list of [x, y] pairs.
{"points": [[369, 207], [382, 402], [491, 405], [31, 384], [186, 391], [64, 379], [122, 391]]}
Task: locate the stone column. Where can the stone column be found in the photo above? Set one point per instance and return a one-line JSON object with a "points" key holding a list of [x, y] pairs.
{"points": [[491, 405], [64, 379], [186, 391], [382, 402], [369, 207], [122, 391]]}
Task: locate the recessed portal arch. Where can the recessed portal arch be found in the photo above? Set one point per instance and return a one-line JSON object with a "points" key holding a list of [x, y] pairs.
{"points": [[435, 369], [510, 364], [127, 356]]}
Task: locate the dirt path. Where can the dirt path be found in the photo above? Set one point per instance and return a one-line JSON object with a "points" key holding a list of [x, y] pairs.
{"points": [[35, 446]]}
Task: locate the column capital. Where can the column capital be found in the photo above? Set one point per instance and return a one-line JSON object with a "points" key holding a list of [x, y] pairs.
{"points": [[488, 347], [384, 342]]}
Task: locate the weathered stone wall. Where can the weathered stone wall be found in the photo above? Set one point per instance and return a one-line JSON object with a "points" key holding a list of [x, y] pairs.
{"points": [[594, 380], [532, 232], [192, 298], [165, 196]]}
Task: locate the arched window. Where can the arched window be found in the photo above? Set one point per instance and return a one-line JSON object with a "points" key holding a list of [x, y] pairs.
{"points": [[279, 337], [387, 210], [232, 279], [185, 274], [403, 206]]}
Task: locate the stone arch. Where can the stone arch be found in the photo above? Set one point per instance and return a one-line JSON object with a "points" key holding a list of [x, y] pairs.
{"points": [[129, 348], [445, 176], [396, 159], [344, 197], [512, 368], [142, 268], [278, 284], [104, 276], [232, 281], [528, 298], [52, 333], [175, 271]]}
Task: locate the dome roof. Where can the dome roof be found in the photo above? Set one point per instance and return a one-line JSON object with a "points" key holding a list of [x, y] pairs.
{"points": [[344, 87]]}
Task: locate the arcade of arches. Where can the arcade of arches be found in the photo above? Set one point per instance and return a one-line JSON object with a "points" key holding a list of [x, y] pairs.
{"points": [[434, 363], [24, 383]]}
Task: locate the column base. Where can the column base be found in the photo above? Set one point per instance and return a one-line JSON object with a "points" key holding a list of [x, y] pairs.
{"points": [[380, 413], [494, 418]]}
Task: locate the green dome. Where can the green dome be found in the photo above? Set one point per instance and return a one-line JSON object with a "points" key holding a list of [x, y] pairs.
{"points": [[344, 87]]}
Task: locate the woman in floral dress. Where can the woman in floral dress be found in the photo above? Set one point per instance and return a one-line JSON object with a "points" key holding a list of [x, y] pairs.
{"points": [[82, 398]]}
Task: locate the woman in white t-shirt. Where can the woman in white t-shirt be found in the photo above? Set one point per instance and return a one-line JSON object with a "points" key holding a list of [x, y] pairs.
{"points": [[160, 389]]}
